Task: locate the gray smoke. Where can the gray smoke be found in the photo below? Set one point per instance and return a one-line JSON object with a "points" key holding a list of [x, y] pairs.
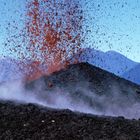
{"points": [[82, 99]]}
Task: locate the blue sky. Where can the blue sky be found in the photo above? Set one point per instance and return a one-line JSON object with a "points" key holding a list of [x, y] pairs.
{"points": [[115, 25], [10, 10], [111, 25]]}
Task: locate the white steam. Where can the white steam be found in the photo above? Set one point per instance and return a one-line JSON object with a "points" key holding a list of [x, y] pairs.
{"points": [[115, 105]]}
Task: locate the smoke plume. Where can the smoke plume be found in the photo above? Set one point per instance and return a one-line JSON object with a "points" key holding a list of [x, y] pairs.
{"points": [[81, 99]]}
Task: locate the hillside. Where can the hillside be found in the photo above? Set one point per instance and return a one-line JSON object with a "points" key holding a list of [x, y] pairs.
{"points": [[133, 74], [96, 90], [20, 121]]}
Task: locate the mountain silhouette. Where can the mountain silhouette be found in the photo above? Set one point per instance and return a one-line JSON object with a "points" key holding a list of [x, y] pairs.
{"points": [[96, 89], [111, 61]]}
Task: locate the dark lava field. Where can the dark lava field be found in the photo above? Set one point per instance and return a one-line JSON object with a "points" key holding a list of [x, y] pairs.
{"points": [[25, 122]]}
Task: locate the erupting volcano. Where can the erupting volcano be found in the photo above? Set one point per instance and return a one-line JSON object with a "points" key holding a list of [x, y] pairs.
{"points": [[52, 36]]}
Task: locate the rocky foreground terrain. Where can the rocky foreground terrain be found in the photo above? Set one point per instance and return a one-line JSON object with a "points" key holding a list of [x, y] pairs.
{"points": [[25, 122], [82, 88]]}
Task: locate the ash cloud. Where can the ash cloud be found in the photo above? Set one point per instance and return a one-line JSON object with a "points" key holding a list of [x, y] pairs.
{"points": [[81, 99]]}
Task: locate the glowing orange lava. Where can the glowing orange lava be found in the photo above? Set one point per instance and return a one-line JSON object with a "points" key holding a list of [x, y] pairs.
{"points": [[54, 33]]}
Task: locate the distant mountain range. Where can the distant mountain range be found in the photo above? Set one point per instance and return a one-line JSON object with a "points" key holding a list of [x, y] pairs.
{"points": [[113, 62], [8, 69]]}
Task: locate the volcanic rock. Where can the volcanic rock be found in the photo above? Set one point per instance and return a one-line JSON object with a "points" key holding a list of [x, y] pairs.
{"points": [[103, 92], [32, 122]]}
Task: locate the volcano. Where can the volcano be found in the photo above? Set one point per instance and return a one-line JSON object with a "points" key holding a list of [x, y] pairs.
{"points": [[95, 89], [74, 92]]}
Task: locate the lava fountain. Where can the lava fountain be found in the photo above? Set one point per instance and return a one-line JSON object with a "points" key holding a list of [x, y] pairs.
{"points": [[52, 35]]}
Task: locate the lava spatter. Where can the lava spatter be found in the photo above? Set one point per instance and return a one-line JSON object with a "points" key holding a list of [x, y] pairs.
{"points": [[53, 36]]}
